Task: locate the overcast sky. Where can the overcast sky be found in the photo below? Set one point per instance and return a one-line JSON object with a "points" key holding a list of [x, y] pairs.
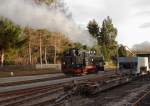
{"points": [[130, 17]]}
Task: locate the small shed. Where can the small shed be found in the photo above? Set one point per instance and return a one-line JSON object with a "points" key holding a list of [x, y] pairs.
{"points": [[133, 65]]}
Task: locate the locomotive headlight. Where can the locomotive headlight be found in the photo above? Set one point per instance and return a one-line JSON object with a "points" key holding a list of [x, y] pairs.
{"points": [[92, 60]]}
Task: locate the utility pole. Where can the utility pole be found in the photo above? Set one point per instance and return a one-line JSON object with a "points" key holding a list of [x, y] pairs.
{"points": [[55, 53], [45, 47], [29, 45], [40, 49], [117, 57], [45, 55], [55, 50], [30, 58]]}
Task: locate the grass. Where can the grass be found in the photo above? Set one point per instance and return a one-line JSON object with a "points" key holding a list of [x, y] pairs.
{"points": [[110, 66]]}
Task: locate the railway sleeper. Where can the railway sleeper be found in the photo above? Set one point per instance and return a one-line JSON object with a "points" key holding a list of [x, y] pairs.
{"points": [[90, 88]]}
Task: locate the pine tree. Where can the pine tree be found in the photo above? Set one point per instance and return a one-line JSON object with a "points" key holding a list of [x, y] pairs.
{"points": [[93, 28], [122, 51], [107, 38], [10, 37]]}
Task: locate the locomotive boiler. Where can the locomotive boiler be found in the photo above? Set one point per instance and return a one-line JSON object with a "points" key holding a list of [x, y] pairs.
{"points": [[78, 62]]}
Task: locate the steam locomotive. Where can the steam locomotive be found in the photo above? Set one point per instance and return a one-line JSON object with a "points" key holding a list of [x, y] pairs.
{"points": [[78, 62]]}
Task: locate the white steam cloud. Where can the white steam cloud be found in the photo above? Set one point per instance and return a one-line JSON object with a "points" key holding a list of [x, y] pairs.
{"points": [[28, 13]]}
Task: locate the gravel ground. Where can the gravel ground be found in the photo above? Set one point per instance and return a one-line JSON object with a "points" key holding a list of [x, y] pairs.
{"points": [[45, 83], [123, 95]]}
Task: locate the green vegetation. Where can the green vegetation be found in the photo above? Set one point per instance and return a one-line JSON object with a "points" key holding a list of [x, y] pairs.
{"points": [[30, 46], [106, 37], [10, 37], [122, 52], [93, 28]]}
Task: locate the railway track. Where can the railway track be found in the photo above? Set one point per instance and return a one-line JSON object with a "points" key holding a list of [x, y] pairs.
{"points": [[41, 93], [144, 99], [134, 93], [22, 97], [12, 81], [31, 81]]}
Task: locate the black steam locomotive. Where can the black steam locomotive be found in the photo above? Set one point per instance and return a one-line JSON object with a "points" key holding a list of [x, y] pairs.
{"points": [[77, 62]]}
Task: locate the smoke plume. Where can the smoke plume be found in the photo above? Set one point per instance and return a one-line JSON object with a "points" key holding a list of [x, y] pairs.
{"points": [[28, 13]]}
